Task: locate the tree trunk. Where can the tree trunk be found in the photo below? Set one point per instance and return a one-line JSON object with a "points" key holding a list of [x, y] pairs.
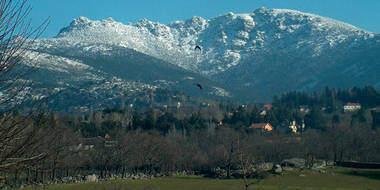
{"points": [[123, 172], [15, 179], [229, 171]]}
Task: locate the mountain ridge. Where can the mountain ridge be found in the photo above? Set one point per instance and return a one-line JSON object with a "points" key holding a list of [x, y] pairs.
{"points": [[250, 57]]}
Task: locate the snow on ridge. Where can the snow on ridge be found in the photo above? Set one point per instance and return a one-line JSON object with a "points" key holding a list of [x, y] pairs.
{"points": [[225, 40], [277, 12], [145, 36], [54, 63]]}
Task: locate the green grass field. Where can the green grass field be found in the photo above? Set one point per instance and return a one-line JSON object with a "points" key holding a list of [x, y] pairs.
{"points": [[336, 179]]}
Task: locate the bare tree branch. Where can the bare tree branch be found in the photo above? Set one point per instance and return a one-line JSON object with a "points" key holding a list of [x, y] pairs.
{"points": [[19, 133], [17, 161]]}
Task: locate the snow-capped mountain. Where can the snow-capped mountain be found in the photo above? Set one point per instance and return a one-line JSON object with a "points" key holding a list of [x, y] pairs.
{"points": [[247, 56], [226, 40]]}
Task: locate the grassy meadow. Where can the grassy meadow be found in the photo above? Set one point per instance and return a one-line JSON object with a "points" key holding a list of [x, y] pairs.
{"points": [[334, 179]]}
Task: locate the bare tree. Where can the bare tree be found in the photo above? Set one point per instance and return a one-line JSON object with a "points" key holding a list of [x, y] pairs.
{"points": [[20, 141], [18, 133], [16, 38], [246, 162]]}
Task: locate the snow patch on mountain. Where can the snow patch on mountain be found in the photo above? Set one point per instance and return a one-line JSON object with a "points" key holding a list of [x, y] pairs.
{"points": [[220, 92], [53, 63]]}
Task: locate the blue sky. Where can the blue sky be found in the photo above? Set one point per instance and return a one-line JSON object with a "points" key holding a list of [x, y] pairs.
{"points": [[364, 14]]}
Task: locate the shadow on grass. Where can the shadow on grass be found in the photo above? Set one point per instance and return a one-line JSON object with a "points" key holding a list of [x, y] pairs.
{"points": [[372, 174]]}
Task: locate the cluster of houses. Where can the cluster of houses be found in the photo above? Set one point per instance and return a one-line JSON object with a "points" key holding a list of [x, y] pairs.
{"points": [[267, 127], [348, 107], [106, 141], [293, 126]]}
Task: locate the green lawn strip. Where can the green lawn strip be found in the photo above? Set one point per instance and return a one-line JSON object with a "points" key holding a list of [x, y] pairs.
{"points": [[312, 180], [334, 179]]}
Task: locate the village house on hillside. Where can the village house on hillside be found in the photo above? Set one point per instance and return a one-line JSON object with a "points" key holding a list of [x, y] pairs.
{"points": [[304, 109], [350, 107], [296, 128], [266, 127], [87, 144], [268, 106], [265, 109]]}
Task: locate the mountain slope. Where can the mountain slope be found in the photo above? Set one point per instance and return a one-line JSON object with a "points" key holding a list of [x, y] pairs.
{"points": [[225, 40], [77, 80], [248, 56]]}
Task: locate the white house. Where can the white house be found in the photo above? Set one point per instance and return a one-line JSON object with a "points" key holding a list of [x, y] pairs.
{"points": [[350, 107], [295, 128]]}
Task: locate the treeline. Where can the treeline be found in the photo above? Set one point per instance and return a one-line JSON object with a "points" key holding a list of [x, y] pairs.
{"points": [[197, 140], [121, 152], [324, 109], [330, 98]]}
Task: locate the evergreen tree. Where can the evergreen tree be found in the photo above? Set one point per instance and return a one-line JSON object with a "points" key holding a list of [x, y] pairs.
{"points": [[165, 123], [149, 120], [375, 119], [315, 119], [270, 117], [254, 116]]}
